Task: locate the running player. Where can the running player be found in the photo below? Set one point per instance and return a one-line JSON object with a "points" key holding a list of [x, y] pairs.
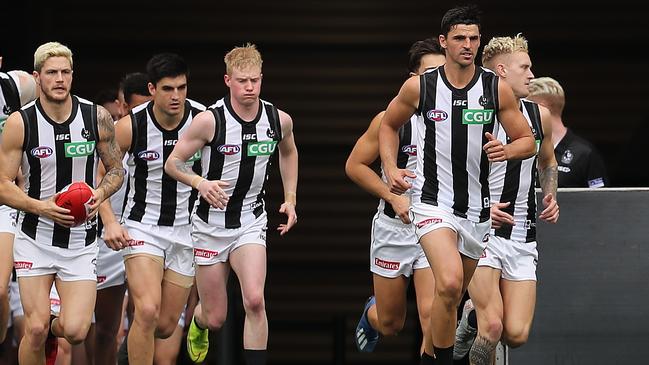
{"points": [[57, 140], [395, 253], [238, 135], [459, 103], [503, 288]]}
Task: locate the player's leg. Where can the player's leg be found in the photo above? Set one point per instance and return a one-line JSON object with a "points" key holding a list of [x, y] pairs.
{"points": [[519, 300], [177, 282], [167, 349], [6, 264], [77, 307], [35, 298], [144, 272], [424, 282], [388, 315], [108, 316], [485, 295]]}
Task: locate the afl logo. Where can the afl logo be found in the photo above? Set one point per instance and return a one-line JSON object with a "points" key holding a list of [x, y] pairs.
{"points": [[229, 149], [148, 155], [42, 152], [436, 115], [410, 150]]}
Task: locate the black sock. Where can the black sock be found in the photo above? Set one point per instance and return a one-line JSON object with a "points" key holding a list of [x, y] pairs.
{"points": [[426, 359], [254, 357], [444, 356], [472, 319], [197, 325]]}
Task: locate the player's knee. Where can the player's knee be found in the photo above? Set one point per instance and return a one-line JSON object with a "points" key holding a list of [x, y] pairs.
{"points": [[449, 289], [254, 303], [391, 326], [517, 337], [147, 314], [37, 333], [75, 332], [493, 328], [215, 320], [165, 330]]}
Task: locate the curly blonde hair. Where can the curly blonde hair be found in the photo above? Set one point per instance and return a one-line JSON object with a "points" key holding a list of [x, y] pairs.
{"points": [[242, 58], [503, 46], [50, 49]]}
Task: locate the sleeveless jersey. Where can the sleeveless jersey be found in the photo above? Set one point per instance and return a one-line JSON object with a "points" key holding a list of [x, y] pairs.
{"points": [[239, 154], [452, 169], [154, 197], [54, 156], [513, 182]]}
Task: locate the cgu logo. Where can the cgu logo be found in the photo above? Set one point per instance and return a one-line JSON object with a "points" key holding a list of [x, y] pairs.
{"points": [[195, 157], [79, 149], [477, 116], [229, 149], [265, 148], [410, 150], [42, 152], [437, 115], [148, 155]]}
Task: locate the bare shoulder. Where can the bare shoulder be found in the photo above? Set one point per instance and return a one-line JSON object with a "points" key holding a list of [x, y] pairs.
{"points": [[285, 119], [13, 132]]}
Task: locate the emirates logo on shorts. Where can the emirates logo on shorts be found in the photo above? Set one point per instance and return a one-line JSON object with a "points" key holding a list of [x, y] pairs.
{"points": [[101, 279], [55, 301], [388, 265], [428, 221], [131, 243], [25, 265], [207, 254]]}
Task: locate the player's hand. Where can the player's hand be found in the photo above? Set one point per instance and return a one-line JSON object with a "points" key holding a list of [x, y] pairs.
{"points": [[95, 202], [401, 206], [287, 208], [59, 215], [494, 149], [500, 218], [397, 180], [116, 236], [551, 212], [212, 192]]}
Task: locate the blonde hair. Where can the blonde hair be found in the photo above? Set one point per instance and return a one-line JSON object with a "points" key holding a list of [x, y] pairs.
{"points": [[242, 58], [50, 49], [503, 46], [550, 91]]}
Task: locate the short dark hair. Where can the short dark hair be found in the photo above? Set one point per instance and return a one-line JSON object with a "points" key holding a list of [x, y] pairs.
{"points": [[421, 48], [135, 83], [105, 96], [165, 65], [466, 14]]}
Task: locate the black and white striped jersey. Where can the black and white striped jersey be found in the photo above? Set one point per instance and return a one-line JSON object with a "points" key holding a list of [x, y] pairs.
{"points": [[406, 158], [54, 156], [239, 154], [513, 182], [9, 97], [153, 196], [452, 169]]}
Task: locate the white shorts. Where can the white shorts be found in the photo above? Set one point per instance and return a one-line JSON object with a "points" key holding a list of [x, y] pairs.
{"points": [[214, 244], [110, 267], [395, 249], [33, 259], [515, 260], [8, 218], [473, 236], [173, 244]]}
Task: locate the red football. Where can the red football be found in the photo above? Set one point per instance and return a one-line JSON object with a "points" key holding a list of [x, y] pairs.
{"points": [[75, 197]]}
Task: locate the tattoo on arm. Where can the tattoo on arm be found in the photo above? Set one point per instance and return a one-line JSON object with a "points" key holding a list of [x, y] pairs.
{"points": [[548, 178], [110, 154], [482, 351], [183, 168]]}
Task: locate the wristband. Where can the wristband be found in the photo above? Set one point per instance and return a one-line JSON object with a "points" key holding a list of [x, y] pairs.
{"points": [[194, 184], [290, 197]]}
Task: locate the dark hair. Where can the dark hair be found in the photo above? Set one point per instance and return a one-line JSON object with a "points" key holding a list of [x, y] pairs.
{"points": [[135, 83], [421, 48], [466, 14], [105, 96], [165, 65]]}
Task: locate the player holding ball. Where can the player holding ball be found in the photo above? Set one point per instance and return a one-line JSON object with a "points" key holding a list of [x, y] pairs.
{"points": [[57, 140]]}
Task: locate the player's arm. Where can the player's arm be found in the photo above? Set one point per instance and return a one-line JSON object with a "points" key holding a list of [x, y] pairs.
{"points": [[27, 89], [200, 132], [547, 168], [10, 160], [111, 157], [363, 155], [288, 167], [522, 141], [400, 109], [114, 234]]}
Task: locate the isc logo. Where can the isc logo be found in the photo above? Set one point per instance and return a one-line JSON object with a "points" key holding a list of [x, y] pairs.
{"points": [[62, 137], [477, 116], [148, 155], [229, 149], [249, 136], [170, 142], [265, 148], [437, 115], [79, 149], [459, 103]]}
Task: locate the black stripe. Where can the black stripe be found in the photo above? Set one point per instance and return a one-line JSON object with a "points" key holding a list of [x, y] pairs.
{"points": [[10, 93], [274, 121], [244, 180], [509, 194], [535, 118], [215, 168], [30, 125], [531, 206], [141, 166], [405, 139], [430, 189], [61, 235], [89, 114], [459, 141], [169, 193]]}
